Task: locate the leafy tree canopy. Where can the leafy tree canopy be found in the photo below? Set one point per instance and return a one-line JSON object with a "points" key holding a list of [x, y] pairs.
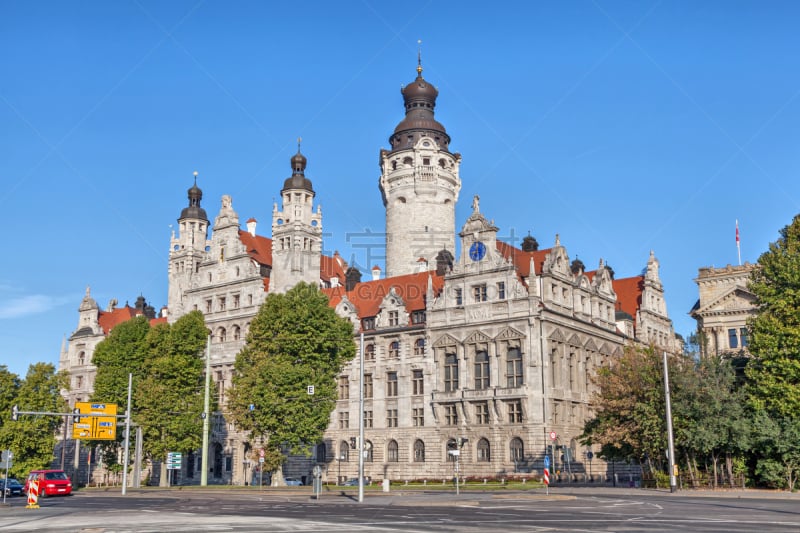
{"points": [[169, 398], [121, 353], [31, 438], [774, 373], [295, 340]]}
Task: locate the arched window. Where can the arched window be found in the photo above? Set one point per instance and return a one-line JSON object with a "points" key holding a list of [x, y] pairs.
{"points": [[394, 349], [344, 451], [419, 347], [484, 452], [368, 451], [82, 358], [517, 449], [237, 333], [514, 368], [481, 370], [419, 451], [369, 352], [392, 454], [221, 335]]}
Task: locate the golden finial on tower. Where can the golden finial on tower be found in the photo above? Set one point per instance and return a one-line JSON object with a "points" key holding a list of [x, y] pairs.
{"points": [[419, 57]]}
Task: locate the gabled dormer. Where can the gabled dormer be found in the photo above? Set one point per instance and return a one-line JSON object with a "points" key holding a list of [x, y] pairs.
{"points": [[392, 312]]}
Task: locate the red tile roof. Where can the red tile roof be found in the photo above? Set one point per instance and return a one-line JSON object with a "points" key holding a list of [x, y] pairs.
{"points": [[367, 296], [109, 319], [629, 294], [259, 248], [332, 267], [522, 260]]}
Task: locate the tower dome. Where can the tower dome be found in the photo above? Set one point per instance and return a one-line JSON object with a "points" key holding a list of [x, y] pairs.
{"points": [[298, 179], [419, 98], [194, 210]]}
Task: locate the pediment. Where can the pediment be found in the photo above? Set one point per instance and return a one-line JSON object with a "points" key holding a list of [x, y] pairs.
{"points": [[476, 337], [509, 333], [574, 340], [590, 345], [445, 340], [557, 336], [736, 299]]}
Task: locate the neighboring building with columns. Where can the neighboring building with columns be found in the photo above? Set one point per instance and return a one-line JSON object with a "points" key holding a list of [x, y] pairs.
{"points": [[722, 311], [466, 336]]}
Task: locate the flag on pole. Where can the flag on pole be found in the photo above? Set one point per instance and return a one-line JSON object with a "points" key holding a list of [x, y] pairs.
{"points": [[738, 246]]}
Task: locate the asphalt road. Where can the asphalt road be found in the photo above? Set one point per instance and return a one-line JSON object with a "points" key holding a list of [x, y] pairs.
{"points": [[573, 510]]}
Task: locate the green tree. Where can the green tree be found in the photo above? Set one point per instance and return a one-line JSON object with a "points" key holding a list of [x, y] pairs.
{"points": [[629, 422], [123, 352], [32, 438], [295, 340], [774, 373], [169, 398]]}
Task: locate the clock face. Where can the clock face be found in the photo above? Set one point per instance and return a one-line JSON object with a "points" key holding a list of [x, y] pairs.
{"points": [[477, 251]]}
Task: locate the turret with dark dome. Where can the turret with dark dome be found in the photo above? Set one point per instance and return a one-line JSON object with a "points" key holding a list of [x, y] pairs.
{"points": [[419, 97], [298, 179], [194, 210]]}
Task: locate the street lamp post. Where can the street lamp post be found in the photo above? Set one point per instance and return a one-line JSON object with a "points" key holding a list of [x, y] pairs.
{"points": [[339, 475]]}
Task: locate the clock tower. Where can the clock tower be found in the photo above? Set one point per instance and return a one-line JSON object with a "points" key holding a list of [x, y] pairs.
{"points": [[478, 239], [419, 183]]}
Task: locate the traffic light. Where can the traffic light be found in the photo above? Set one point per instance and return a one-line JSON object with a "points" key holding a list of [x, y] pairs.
{"points": [[76, 415], [462, 441], [452, 444], [353, 442], [14, 413]]}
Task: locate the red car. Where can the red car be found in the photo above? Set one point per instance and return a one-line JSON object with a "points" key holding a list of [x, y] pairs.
{"points": [[51, 482]]}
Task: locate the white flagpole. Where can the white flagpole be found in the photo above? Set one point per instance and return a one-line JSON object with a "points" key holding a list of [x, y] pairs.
{"points": [[738, 247]]}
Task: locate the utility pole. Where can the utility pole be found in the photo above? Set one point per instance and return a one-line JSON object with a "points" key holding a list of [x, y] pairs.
{"points": [[361, 421], [204, 473], [127, 438], [672, 480]]}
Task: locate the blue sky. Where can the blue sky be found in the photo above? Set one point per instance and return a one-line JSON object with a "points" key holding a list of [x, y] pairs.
{"points": [[621, 126]]}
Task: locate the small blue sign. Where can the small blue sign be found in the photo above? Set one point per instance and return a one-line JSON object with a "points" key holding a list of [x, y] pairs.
{"points": [[98, 406], [547, 461], [105, 424]]}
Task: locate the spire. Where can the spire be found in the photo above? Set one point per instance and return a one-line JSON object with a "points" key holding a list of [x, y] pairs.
{"points": [[419, 58], [298, 178]]}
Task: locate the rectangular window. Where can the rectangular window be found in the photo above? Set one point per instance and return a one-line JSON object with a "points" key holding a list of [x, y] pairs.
{"points": [[368, 323], [450, 372], [733, 340], [418, 317], [482, 413], [236, 301], [367, 419], [743, 337], [393, 318], [418, 416], [479, 292], [501, 290], [459, 297], [249, 299], [481, 371], [391, 418], [367, 385], [514, 368], [344, 387], [221, 301], [451, 414], [228, 463], [515, 412], [344, 420], [208, 306], [418, 383], [391, 384]]}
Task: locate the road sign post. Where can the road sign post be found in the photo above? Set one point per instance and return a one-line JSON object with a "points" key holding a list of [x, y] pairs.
{"points": [[94, 421]]}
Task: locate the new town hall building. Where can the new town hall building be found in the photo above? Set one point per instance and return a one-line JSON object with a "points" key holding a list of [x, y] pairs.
{"points": [[497, 345]]}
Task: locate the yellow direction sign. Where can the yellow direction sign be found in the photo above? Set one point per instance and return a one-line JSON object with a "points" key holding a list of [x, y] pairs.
{"points": [[94, 421]]}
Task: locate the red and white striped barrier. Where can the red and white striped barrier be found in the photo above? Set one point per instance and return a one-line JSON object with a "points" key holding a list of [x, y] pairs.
{"points": [[33, 494], [546, 477]]}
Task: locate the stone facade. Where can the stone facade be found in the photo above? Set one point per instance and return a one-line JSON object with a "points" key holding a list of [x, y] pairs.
{"points": [[722, 311], [496, 346]]}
